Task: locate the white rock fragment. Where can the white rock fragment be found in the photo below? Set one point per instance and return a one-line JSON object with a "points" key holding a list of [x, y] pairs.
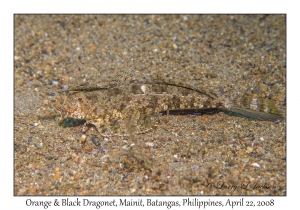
{"points": [[149, 144], [256, 165], [143, 88], [54, 82]]}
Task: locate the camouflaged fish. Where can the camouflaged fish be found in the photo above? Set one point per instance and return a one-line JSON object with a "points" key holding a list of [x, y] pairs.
{"points": [[135, 108]]}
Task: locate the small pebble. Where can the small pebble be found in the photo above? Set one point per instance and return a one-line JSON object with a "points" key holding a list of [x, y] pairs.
{"points": [[149, 144], [39, 145], [46, 102], [249, 150], [256, 165], [54, 82], [96, 140], [126, 147], [202, 127]]}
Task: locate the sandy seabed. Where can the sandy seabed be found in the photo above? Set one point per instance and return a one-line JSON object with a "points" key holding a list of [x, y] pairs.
{"points": [[215, 154]]}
